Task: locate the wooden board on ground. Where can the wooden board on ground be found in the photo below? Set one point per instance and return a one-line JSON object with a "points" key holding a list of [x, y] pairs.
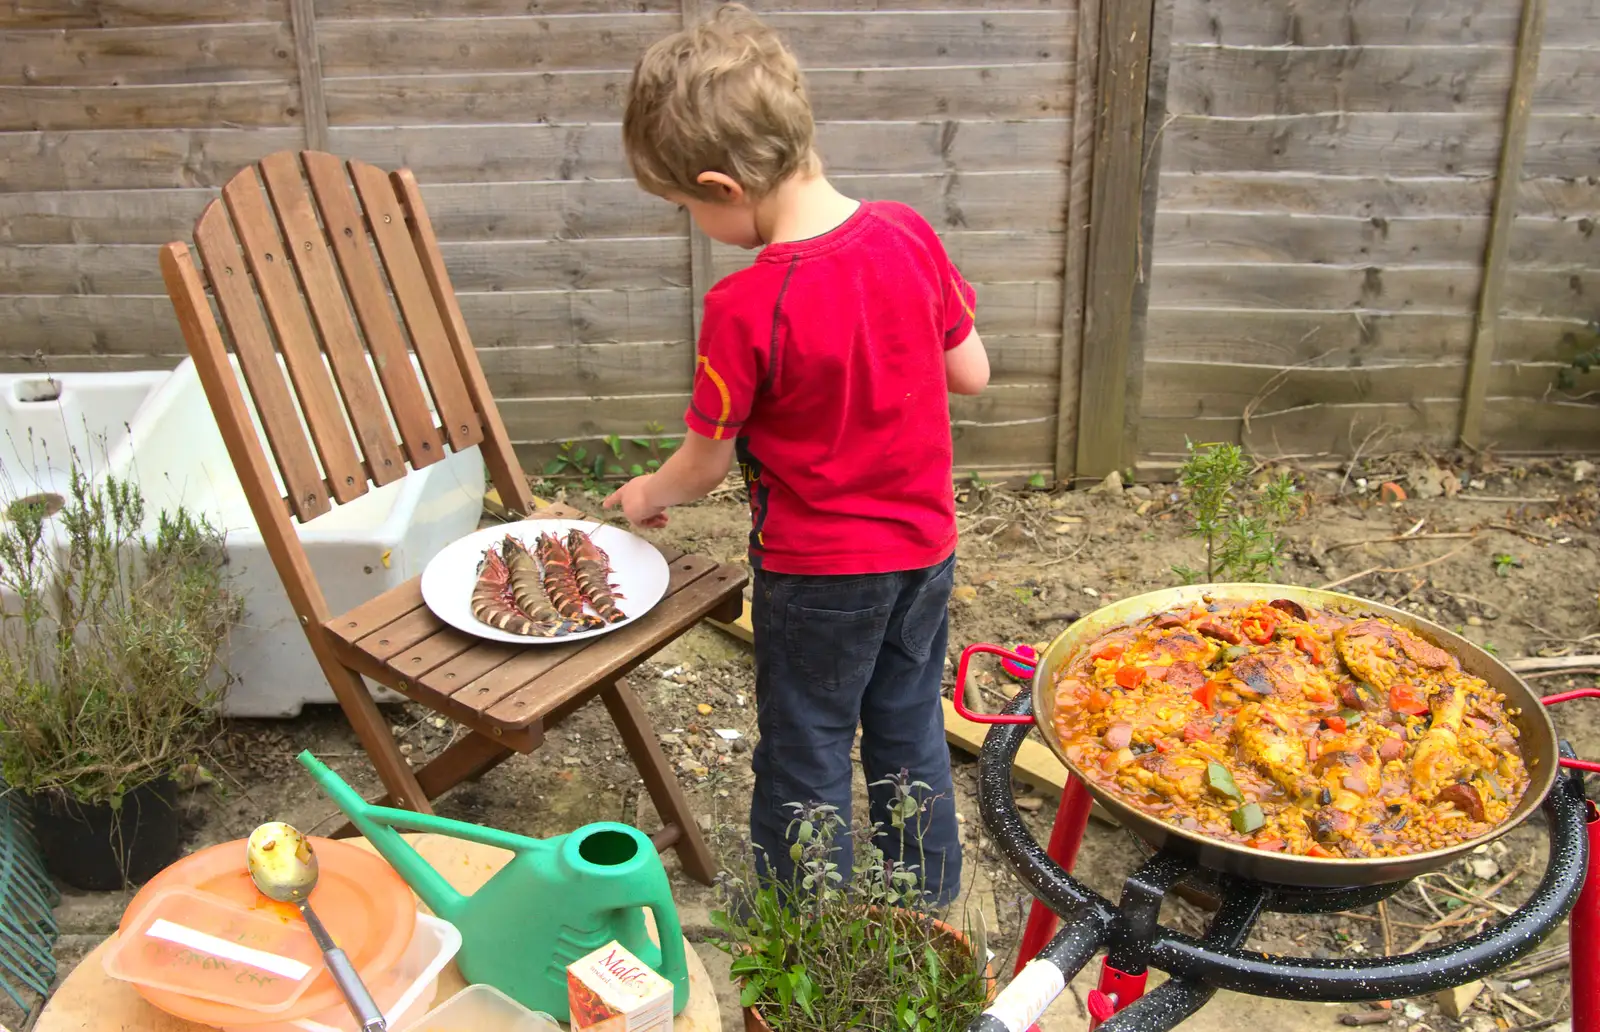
{"points": [[740, 628], [496, 508]]}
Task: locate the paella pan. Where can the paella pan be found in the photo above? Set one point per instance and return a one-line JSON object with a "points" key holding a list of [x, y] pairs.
{"points": [[1293, 735]]}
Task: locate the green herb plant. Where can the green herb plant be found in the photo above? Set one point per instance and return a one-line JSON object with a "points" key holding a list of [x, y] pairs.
{"points": [[861, 949], [614, 460], [111, 645], [1238, 525]]}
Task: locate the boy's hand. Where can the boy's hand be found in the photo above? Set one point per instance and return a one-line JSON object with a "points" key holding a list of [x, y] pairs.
{"points": [[635, 503]]}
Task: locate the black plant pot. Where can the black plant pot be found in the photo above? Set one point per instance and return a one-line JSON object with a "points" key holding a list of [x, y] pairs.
{"points": [[94, 847]]}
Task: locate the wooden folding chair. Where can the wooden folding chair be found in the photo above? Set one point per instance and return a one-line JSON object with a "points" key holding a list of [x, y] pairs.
{"points": [[291, 239]]}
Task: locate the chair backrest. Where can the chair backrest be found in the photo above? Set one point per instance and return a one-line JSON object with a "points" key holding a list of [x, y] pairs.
{"points": [[309, 259]]}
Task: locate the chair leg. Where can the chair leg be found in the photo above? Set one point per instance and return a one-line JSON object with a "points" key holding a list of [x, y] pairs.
{"points": [[627, 712], [373, 731], [466, 760]]}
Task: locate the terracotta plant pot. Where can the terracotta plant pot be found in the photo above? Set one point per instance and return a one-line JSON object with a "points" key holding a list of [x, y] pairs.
{"points": [[754, 1022]]}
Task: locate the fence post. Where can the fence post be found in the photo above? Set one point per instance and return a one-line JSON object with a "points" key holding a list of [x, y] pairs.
{"points": [[313, 105], [1508, 180], [1080, 177], [1115, 225]]}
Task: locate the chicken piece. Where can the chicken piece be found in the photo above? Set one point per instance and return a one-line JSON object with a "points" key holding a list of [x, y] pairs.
{"points": [[1171, 645], [1381, 655], [1368, 648], [1426, 654], [1439, 757], [1266, 742], [1349, 767], [1168, 776], [1269, 673]]}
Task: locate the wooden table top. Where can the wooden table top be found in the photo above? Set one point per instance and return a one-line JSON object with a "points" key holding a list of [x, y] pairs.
{"points": [[89, 999]]}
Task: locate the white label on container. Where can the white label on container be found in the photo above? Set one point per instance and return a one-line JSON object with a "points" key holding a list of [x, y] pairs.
{"points": [[200, 942], [1035, 988]]}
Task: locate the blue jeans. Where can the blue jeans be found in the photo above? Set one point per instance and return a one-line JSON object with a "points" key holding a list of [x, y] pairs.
{"points": [[834, 652]]}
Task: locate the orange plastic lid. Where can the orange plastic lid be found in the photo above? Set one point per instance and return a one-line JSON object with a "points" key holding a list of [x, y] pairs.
{"points": [[368, 908], [204, 946]]}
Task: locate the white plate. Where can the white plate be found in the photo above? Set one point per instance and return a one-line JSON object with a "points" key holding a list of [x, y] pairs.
{"points": [[638, 573]]}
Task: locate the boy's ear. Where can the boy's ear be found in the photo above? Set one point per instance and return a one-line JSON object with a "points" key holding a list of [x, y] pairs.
{"points": [[725, 187]]}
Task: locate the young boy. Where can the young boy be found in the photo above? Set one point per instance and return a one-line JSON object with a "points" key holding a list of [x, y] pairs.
{"points": [[825, 367]]}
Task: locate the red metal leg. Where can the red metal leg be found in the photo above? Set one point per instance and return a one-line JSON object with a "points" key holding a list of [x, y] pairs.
{"points": [[1065, 838], [1583, 933], [1117, 989]]}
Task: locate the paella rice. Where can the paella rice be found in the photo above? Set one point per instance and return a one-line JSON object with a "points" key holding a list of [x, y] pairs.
{"points": [[1292, 730]]}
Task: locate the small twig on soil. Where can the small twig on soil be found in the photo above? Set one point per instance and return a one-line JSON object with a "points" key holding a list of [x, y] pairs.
{"points": [[1508, 499], [1561, 673], [1517, 1005], [1059, 615], [1388, 932], [1533, 663], [1355, 458], [1378, 1017], [1387, 569], [1457, 891], [1414, 589], [1427, 901], [1485, 606], [1535, 970], [1509, 529], [1534, 1026], [1400, 537]]}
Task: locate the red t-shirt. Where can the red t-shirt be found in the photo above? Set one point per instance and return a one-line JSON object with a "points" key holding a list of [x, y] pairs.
{"points": [[826, 360]]}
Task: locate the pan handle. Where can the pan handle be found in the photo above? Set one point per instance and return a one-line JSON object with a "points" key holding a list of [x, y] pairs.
{"points": [[961, 684], [1560, 697]]}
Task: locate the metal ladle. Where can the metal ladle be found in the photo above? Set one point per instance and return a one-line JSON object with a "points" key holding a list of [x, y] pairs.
{"points": [[285, 869]]}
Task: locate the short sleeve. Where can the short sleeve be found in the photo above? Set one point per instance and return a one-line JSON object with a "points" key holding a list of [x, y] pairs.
{"points": [[726, 374], [960, 308]]}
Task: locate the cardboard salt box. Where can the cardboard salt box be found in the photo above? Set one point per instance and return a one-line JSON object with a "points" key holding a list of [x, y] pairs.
{"points": [[611, 990]]}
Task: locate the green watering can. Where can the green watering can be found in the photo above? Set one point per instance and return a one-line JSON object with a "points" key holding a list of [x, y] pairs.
{"points": [[557, 900]]}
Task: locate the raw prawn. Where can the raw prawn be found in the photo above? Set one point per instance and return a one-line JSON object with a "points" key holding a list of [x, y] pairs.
{"points": [[592, 569], [527, 589], [561, 585], [492, 599]]}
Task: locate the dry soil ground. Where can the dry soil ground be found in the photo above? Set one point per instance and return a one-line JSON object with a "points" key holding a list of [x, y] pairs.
{"points": [[1524, 583]]}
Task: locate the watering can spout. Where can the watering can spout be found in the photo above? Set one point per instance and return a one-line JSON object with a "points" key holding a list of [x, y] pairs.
{"points": [[373, 824]]}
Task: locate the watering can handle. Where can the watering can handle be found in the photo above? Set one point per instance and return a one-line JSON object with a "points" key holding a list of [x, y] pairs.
{"points": [[670, 933]]}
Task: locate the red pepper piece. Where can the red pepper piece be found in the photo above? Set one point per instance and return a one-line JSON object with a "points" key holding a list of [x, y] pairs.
{"points": [[1261, 627], [1206, 695], [1130, 677], [1310, 646], [1404, 698]]}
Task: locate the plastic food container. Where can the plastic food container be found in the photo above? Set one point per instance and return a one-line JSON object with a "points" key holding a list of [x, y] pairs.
{"points": [[363, 901], [403, 994], [481, 1008], [210, 948]]}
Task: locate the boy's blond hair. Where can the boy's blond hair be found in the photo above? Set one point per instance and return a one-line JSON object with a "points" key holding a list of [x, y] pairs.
{"points": [[722, 96]]}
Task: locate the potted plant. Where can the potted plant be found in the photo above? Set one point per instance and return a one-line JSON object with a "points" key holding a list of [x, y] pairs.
{"points": [[873, 951], [110, 680]]}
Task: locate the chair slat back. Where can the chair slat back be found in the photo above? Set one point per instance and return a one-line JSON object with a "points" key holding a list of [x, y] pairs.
{"points": [[330, 271]]}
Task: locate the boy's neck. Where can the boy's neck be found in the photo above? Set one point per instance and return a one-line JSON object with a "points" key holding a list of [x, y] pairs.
{"points": [[801, 208]]}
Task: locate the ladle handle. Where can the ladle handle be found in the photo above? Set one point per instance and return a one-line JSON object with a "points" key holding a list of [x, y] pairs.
{"points": [[345, 976]]}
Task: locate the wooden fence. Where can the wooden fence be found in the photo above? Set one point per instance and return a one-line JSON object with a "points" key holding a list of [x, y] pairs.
{"points": [[1264, 220]]}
